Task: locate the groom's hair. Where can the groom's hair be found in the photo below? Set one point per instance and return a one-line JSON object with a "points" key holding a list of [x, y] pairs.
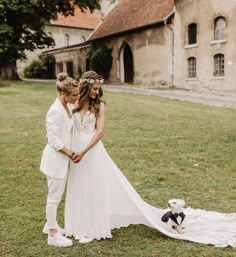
{"points": [[65, 83]]}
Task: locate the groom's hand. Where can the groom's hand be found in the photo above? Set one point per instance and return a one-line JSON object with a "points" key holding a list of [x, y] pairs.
{"points": [[75, 157]]}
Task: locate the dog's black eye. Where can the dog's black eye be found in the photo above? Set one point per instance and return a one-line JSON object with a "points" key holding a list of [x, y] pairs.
{"points": [[174, 202]]}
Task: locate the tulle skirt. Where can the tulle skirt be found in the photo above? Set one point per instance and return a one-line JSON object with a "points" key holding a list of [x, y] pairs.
{"points": [[99, 198]]}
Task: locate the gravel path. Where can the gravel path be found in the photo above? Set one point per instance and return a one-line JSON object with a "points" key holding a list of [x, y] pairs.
{"points": [[227, 100]]}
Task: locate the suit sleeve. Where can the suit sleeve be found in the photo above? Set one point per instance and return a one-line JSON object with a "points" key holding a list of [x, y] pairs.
{"points": [[166, 216], [54, 122]]}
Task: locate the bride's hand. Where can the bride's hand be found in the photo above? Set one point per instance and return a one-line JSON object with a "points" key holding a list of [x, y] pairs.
{"points": [[78, 157]]}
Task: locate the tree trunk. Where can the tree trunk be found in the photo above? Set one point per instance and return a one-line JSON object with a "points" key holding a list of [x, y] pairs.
{"points": [[8, 71]]}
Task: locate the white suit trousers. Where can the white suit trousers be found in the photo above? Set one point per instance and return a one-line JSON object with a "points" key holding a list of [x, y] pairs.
{"points": [[56, 188]]}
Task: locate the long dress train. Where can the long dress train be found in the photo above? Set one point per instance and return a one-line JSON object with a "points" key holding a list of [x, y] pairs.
{"points": [[99, 198]]}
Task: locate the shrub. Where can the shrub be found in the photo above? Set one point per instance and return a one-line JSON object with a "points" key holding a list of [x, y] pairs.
{"points": [[101, 60], [43, 68]]}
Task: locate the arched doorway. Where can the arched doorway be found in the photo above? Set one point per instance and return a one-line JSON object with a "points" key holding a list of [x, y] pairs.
{"points": [[70, 69], [126, 64]]}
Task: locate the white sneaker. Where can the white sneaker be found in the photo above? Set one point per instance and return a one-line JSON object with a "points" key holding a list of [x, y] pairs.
{"points": [[85, 240], [59, 229], [59, 240]]}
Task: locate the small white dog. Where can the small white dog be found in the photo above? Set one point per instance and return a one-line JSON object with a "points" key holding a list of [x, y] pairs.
{"points": [[175, 216]]}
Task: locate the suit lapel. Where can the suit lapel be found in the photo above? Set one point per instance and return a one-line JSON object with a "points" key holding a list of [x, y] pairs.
{"points": [[62, 109]]}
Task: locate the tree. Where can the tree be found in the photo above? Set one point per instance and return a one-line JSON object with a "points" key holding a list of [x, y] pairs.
{"points": [[22, 24]]}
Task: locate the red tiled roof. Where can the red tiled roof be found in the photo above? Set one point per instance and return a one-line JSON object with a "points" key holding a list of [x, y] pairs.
{"points": [[131, 14], [80, 19]]}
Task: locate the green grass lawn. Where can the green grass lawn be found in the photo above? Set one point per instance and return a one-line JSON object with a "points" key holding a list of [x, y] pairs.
{"points": [[166, 148]]}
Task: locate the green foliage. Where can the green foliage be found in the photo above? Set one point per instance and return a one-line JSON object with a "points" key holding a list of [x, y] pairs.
{"points": [[101, 60], [164, 147], [43, 68]]}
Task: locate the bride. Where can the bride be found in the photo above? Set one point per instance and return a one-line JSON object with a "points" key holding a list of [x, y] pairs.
{"points": [[99, 198]]}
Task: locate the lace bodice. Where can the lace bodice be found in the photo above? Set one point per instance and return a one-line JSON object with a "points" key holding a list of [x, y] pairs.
{"points": [[85, 123]]}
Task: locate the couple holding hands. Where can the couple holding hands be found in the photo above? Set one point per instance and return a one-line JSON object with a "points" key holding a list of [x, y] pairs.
{"points": [[99, 198]]}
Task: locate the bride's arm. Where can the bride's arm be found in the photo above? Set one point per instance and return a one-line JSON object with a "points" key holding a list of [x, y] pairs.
{"points": [[100, 124]]}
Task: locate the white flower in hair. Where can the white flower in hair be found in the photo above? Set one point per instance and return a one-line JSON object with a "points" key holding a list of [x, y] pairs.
{"points": [[91, 81]]}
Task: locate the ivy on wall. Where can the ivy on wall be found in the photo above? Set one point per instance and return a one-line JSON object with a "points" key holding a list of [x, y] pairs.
{"points": [[101, 60]]}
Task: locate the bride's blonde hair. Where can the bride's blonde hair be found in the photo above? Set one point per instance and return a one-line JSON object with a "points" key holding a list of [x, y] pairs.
{"points": [[65, 83]]}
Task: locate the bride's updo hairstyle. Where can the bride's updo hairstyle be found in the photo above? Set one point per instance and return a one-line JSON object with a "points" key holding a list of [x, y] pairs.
{"points": [[86, 83], [65, 83]]}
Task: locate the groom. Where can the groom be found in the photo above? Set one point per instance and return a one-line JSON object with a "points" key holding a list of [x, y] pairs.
{"points": [[57, 154]]}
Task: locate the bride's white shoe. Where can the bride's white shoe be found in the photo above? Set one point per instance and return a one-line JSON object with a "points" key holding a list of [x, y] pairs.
{"points": [[85, 240]]}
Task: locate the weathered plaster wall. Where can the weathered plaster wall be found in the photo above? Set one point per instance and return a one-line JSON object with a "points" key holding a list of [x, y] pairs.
{"points": [[203, 13], [152, 56]]}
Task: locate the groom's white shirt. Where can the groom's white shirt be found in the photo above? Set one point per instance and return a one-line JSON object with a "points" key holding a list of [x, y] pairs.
{"points": [[59, 131]]}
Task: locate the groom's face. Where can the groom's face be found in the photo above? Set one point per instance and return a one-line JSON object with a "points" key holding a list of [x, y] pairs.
{"points": [[73, 96]]}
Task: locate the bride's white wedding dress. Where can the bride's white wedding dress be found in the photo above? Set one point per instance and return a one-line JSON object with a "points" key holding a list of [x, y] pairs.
{"points": [[100, 198]]}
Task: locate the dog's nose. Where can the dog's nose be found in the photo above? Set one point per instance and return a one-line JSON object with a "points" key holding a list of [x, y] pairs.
{"points": [[168, 204]]}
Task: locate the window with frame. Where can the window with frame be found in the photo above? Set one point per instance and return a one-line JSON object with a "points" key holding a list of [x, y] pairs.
{"points": [[67, 40], [220, 25], [219, 65], [192, 67], [192, 33]]}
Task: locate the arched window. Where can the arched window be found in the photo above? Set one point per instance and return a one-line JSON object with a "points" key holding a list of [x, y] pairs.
{"points": [[219, 65], [220, 25], [67, 40], [192, 33], [192, 67]]}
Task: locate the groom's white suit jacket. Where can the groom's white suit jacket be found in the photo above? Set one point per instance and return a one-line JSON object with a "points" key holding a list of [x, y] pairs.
{"points": [[54, 163]]}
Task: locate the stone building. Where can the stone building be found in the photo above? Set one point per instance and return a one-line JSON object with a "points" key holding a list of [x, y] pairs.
{"points": [[140, 35], [162, 43], [205, 45], [141, 38], [73, 59], [66, 31]]}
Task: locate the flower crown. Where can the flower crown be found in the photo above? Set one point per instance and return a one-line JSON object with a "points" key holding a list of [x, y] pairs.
{"points": [[91, 81]]}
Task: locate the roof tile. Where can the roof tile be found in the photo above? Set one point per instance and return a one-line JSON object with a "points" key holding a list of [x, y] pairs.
{"points": [[81, 19], [131, 14]]}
